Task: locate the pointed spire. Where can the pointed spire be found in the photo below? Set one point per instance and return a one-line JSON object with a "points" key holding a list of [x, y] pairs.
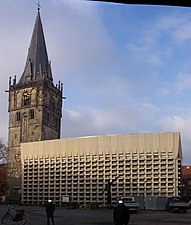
{"points": [[39, 6], [37, 64]]}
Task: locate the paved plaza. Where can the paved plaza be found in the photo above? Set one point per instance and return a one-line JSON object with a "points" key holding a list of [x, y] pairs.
{"points": [[37, 216]]}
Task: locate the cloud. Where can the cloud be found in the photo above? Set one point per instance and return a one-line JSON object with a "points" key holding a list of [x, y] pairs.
{"points": [[162, 92], [109, 120], [160, 37], [180, 124], [178, 87], [179, 26], [145, 52], [183, 82], [173, 24]]}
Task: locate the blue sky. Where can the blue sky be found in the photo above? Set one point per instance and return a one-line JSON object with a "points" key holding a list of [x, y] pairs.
{"points": [[125, 68]]}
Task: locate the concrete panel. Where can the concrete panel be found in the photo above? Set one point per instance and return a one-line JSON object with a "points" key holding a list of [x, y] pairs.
{"points": [[149, 142], [141, 143], [156, 142], [114, 144]]}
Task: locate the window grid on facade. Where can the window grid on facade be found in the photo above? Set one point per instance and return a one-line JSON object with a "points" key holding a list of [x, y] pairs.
{"points": [[84, 177]]}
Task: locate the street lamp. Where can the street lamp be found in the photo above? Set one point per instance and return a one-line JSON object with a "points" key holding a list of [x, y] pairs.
{"points": [[145, 194]]}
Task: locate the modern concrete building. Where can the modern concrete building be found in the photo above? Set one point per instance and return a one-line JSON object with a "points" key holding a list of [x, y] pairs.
{"points": [[148, 165]]}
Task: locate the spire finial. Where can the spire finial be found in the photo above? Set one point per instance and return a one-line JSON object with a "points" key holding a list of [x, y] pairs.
{"points": [[39, 6]]}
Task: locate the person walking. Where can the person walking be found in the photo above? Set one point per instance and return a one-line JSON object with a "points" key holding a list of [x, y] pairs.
{"points": [[50, 209], [121, 214]]}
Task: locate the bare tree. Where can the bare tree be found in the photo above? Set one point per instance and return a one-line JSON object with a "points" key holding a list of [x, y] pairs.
{"points": [[3, 151]]}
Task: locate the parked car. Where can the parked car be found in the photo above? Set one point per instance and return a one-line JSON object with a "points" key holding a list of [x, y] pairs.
{"points": [[130, 203], [177, 204]]}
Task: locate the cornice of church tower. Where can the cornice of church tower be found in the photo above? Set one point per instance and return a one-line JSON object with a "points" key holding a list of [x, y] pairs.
{"points": [[37, 65]]}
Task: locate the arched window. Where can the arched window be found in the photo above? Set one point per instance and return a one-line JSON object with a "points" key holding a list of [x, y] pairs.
{"points": [[26, 102], [31, 114], [18, 116]]}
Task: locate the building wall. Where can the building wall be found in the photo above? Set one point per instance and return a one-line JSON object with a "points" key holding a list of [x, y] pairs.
{"points": [[186, 176], [148, 165], [36, 118]]}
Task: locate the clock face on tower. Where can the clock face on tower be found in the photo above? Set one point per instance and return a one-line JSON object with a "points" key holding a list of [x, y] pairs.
{"points": [[26, 97]]}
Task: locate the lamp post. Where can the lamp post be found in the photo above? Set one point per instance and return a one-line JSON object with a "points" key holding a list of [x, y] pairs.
{"points": [[145, 194]]}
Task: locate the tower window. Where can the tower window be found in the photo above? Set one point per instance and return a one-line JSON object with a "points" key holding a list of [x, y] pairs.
{"points": [[31, 114], [18, 116], [26, 102]]}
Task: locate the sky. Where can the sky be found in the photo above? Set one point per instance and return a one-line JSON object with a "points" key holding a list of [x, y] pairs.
{"points": [[125, 68]]}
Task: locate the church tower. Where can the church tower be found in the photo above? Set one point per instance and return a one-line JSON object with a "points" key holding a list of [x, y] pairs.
{"points": [[35, 104]]}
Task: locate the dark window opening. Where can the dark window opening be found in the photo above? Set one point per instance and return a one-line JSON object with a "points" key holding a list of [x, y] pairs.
{"points": [[18, 116], [26, 102], [31, 114]]}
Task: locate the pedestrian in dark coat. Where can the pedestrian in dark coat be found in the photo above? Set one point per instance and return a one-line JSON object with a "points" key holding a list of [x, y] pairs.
{"points": [[50, 209], [121, 214]]}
